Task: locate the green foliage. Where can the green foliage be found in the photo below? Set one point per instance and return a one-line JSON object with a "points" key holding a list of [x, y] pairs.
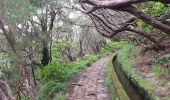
{"points": [[124, 54], [164, 59], [59, 97], [156, 69], [7, 67], [145, 26], [49, 89], [76, 66], [17, 9], [155, 9], [117, 45], [63, 29], [59, 46], [63, 44], [56, 74], [112, 46], [53, 71], [87, 59]]}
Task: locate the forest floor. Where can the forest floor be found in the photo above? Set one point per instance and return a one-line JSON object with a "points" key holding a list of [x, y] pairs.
{"points": [[147, 66], [90, 83]]}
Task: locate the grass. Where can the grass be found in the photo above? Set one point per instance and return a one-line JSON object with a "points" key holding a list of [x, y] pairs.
{"points": [[49, 89], [156, 69], [112, 90], [124, 56], [59, 96], [77, 66]]}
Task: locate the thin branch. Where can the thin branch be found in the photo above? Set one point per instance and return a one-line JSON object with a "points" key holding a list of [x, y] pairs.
{"points": [[86, 11], [117, 3]]}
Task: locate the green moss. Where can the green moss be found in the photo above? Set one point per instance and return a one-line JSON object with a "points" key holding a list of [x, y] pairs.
{"points": [[111, 88], [116, 89]]}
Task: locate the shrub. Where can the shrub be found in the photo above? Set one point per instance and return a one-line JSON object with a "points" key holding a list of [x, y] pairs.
{"points": [[76, 66], [54, 71], [49, 89], [112, 46]]}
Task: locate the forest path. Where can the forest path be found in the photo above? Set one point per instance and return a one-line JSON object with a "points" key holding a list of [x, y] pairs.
{"points": [[90, 83]]}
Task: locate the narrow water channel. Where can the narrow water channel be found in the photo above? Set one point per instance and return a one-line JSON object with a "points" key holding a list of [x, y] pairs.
{"points": [[131, 90]]}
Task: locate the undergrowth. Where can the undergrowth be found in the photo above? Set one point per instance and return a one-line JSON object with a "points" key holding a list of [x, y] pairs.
{"points": [[49, 89], [158, 67], [54, 77]]}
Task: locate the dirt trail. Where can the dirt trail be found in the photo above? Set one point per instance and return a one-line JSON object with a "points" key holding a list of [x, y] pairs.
{"points": [[90, 84]]}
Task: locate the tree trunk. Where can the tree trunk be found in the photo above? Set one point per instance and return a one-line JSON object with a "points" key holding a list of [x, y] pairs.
{"points": [[81, 47], [45, 52], [147, 19], [149, 36], [53, 15], [20, 65], [3, 95], [69, 55]]}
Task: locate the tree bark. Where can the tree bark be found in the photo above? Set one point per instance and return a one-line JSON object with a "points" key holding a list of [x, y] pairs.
{"points": [[117, 3], [3, 95], [147, 19], [81, 47], [149, 36], [45, 52], [21, 66], [126, 5]]}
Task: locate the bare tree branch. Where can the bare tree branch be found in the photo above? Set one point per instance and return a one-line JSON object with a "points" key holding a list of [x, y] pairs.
{"points": [[86, 11], [117, 3]]}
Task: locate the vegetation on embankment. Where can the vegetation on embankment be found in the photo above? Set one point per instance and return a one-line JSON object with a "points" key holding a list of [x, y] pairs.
{"points": [[116, 87], [55, 76], [125, 55]]}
